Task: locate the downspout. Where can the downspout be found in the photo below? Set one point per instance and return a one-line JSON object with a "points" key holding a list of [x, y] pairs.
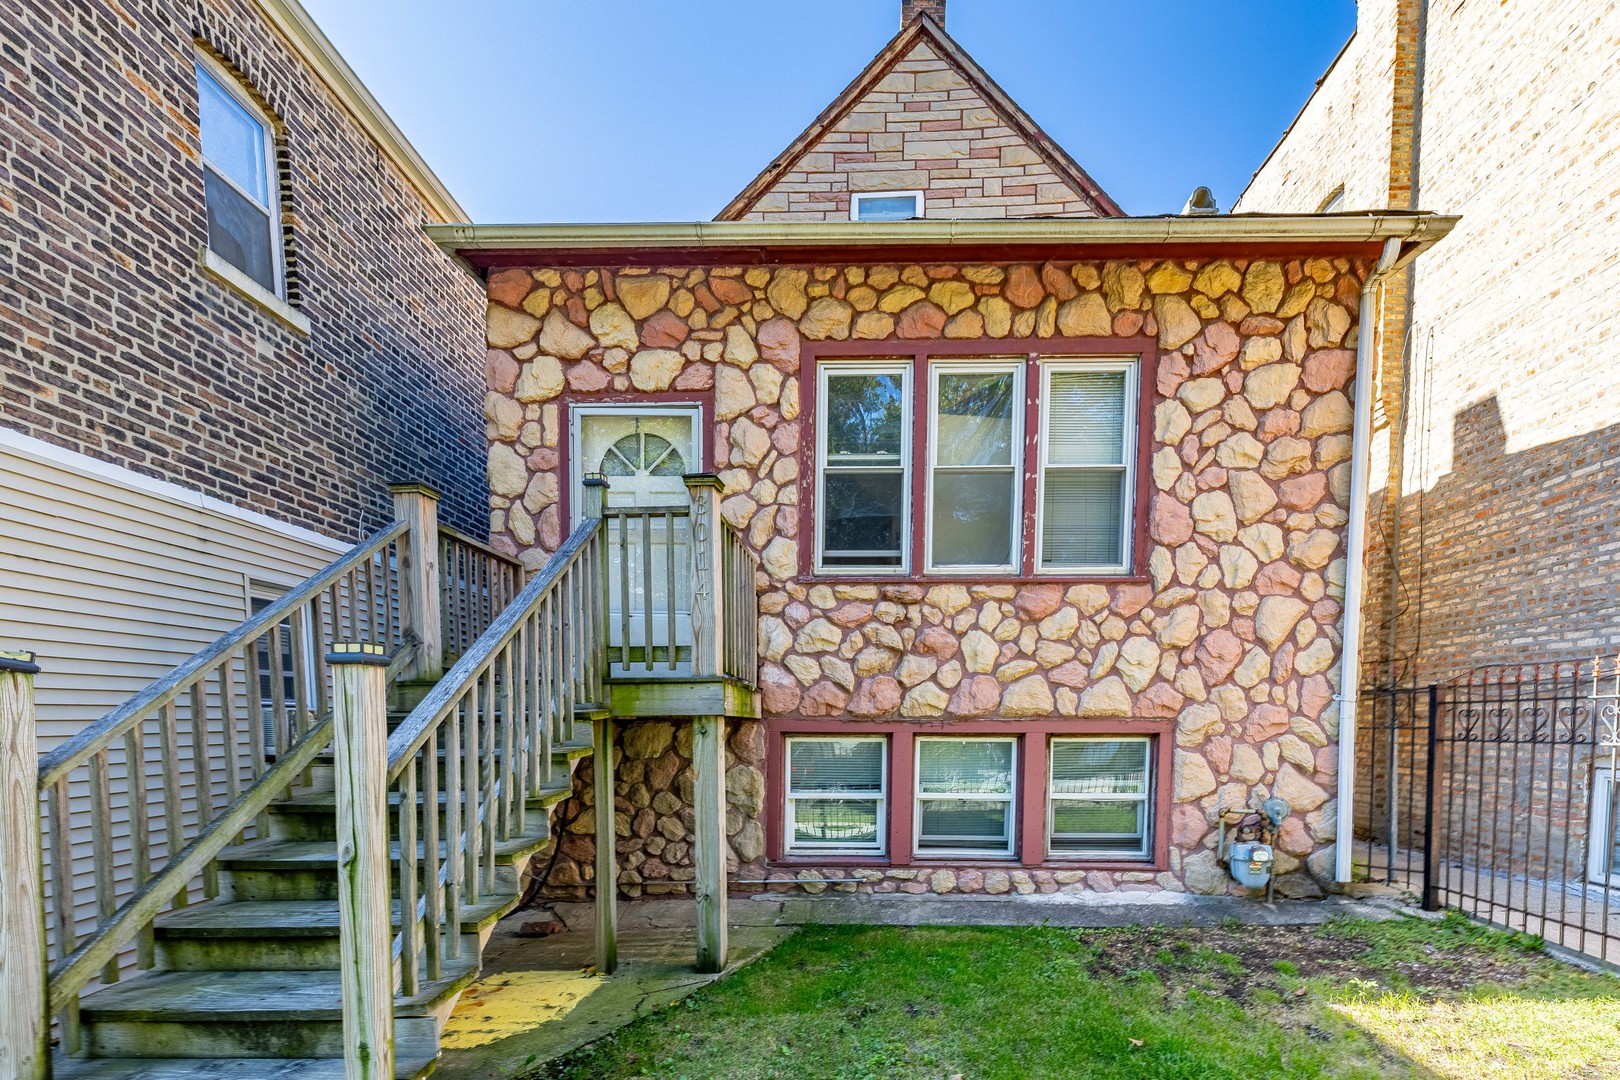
{"points": [[1355, 584]]}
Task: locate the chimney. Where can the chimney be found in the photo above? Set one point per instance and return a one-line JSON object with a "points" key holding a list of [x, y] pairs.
{"points": [[910, 9]]}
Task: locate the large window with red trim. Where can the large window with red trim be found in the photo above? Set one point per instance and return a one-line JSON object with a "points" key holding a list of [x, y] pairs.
{"points": [[966, 465]]}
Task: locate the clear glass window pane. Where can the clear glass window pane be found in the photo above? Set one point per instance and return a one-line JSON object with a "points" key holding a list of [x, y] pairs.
{"points": [[861, 518], [239, 231], [974, 418], [233, 139], [1099, 766], [886, 208], [823, 765], [1082, 518], [972, 518], [865, 416], [1085, 418], [850, 822], [963, 824], [964, 766], [1103, 826]]}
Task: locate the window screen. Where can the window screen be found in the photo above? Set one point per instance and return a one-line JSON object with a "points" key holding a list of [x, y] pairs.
{"points": [[965, 796], [864, 506], [1099, 791], [836, 794], [976, 442], [1086, 469], [238, 187]]}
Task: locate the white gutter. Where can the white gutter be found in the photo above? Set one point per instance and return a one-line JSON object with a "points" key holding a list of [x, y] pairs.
{"points": [[1355, 584], [1418, 230]]}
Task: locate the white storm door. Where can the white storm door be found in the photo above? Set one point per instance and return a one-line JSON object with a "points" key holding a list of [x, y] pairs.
{"points": [[643, 452]]}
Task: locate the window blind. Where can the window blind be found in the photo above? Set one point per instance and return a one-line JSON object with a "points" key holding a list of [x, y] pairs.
{"points": [[1099, 766], [836, 764], [1086, 418], [1082, 518], [958, 766]]}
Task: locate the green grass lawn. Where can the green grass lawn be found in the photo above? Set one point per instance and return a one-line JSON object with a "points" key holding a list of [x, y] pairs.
{"points": [[1349, 999]]}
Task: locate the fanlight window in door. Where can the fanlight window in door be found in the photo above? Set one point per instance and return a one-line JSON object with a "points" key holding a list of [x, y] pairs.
{"points": [[643, 454]]}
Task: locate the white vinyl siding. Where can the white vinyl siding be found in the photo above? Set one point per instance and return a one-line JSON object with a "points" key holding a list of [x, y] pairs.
{"points": [[1085, 479], [112, 585]]}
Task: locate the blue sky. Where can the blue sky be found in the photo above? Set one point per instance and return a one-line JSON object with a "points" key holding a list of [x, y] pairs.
{"points": [[661, 110]]}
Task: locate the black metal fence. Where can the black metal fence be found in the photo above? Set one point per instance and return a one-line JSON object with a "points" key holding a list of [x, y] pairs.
{"points": [[1495, 794]]}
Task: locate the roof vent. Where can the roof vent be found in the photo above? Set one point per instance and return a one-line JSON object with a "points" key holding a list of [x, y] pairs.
{"points": [[1201, 203]]}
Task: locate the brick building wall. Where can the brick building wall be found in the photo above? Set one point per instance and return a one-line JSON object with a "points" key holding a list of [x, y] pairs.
{"points": [[1222, 643], [115, 343], [1499, 542], [925, 124]]}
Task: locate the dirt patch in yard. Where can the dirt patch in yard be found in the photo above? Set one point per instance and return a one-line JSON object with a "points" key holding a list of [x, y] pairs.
{"points": [[1257, 963]]}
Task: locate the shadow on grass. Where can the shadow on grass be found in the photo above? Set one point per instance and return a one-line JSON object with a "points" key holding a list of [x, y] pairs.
{"points": [[1346, 1000]]}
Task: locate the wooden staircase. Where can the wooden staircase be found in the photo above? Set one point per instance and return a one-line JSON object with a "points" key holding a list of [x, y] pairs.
{"points": [[247, 984], [301, 838]]}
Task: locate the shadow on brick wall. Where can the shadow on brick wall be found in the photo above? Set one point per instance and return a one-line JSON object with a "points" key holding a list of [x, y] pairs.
{"points": [[1511, 557]]}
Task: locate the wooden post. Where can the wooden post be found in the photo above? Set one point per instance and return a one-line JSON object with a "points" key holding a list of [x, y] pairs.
{"points": [[708, 609], [607, 852], [366, 960], [418, 506], [24, 1032], [709, 842]]}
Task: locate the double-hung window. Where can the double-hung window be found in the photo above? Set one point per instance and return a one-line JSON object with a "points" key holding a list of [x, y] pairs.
{"points": [[864, 483], [836, 794], [239, 180], [1098, 795], [1087, 447], [964, 797], [976, 445]]}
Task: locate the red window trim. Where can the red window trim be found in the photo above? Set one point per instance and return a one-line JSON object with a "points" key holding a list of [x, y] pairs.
{"points": [[812, 353], [1030, 851]]}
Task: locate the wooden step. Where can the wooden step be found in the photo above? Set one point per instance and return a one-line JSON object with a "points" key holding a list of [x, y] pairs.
{"points": [[276, 870], [251, 1014], [312, 816], [282, 935], [218, 1068]]}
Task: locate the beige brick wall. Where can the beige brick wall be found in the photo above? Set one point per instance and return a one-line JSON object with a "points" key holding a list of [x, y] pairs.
{"points": [[923, 127], [1509, 497]]}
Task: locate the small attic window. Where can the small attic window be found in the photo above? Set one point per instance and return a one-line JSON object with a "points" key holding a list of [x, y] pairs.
{"points": [[886, 206], [1334, 202]]}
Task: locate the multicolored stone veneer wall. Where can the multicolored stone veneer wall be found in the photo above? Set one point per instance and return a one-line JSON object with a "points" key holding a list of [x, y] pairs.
{"points": [[1229, 638]]}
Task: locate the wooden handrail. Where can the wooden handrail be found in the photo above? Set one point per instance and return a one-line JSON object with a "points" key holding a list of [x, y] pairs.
{"points": [[57, 763]]}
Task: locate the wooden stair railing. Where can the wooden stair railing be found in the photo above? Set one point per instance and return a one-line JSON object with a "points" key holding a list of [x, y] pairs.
{"points": [[195, 758], [189, 765], [481, 744]]}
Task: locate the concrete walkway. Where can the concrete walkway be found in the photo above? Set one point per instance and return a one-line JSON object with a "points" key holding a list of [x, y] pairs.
{"points": [[539, 998]]}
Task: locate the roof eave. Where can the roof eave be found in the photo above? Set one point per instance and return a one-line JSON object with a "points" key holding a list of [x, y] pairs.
{"points": [[1327, 232]]}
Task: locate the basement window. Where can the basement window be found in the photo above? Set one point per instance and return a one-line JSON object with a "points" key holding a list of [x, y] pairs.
{"points": [[1097, 802], [964, 797], [836, 795], [886, 206]]}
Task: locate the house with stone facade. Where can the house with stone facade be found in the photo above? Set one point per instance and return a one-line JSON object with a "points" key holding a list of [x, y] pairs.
{"points": [[1055, 509], [923, 524]]}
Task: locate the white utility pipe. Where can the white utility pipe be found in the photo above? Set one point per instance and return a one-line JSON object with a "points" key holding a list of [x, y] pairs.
{"points": [[1355, 555]]}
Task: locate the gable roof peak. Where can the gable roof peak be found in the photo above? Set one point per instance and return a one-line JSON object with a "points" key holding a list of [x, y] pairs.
{"points": [[922, 28]]}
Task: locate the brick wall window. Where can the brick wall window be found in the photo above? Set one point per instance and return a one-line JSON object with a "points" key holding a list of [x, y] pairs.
{"points": [[240, 184], [922, 463], [885, 206]]}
